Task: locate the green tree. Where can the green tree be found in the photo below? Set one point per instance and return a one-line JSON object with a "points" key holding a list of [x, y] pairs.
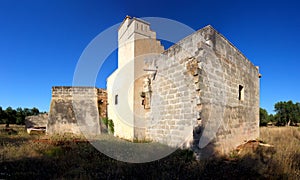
{"points": [[263, 117], [272, 118], [20, 117], [297, 112], [10, 116], [1, 115], [26, 112], [287, 113], [35, 111]]}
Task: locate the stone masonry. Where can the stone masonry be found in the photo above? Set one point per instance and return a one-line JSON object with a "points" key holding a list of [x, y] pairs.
{"points": [[205, 92], [76, 110], [200, 93], [36, 121]]}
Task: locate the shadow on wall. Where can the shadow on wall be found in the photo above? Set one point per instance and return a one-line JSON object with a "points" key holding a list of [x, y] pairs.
{"points": [[207, 151]]}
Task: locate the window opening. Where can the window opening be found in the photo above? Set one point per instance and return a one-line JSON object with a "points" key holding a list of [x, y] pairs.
{"points": [[241, 92], [116, 99]]}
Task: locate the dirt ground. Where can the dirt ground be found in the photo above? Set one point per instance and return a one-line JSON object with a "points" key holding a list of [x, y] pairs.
{"points": [[275, 155]]}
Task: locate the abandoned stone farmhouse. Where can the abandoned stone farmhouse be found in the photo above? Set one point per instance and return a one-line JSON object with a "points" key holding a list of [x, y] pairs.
{"points": [[201, 90]]}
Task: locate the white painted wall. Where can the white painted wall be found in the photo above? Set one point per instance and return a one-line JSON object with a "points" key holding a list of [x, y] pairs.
{"points": [[121, 82]]}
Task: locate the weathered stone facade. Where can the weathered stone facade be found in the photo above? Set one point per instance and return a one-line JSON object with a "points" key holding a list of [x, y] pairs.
{"points": [[76, 110], [201, 91], [205, 83], [37, 121]]}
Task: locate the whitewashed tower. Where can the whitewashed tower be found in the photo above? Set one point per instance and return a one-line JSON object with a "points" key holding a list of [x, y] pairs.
{"points": [[124, 87]]}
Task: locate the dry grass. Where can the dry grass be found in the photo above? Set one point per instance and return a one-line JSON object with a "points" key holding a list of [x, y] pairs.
{"points": [[60, 157], [286, 159]]}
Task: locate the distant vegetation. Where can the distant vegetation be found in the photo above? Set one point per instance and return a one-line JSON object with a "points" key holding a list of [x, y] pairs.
{"points": [[16, 116], [287, 113]]}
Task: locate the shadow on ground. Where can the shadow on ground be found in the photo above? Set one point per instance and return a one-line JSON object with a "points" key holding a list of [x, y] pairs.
{"points": [[81, 160], [62, 157]]}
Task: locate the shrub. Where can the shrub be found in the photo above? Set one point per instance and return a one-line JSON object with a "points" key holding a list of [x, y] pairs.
{"points": [[105, 121], [109, 124]]}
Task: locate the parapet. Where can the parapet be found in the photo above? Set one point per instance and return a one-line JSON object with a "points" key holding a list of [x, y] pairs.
{"points": [[73, 91]]}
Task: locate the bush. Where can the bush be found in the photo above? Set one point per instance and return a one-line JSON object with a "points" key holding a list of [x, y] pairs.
{"points": [[109, 124]]}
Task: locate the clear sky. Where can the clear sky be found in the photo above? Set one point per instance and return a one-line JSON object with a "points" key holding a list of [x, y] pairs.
{"points": [[42, 40]]}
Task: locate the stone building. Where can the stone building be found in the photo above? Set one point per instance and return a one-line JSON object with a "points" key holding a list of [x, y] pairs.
{"points": [[200, 91]]}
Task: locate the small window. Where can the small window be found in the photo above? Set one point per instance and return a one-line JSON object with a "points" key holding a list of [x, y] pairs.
{"points": [[141, 27], [116, 99], [241, 92], [137, 26]]}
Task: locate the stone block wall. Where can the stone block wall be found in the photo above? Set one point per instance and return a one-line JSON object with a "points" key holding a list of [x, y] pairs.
{"points": [[37, 121], [74, 110], [205, 92]]}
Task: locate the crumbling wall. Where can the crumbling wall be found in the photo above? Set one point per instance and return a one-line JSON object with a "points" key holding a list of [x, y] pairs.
{"points": [[205, 92], [74, 110], [37, 121], [102, 102]]}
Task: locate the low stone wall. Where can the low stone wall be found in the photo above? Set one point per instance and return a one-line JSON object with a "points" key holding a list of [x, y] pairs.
{"points": [[74, 110], [38, 121]]}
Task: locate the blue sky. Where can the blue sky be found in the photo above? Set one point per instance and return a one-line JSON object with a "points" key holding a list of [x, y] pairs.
{"points": [[42, 40]]}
